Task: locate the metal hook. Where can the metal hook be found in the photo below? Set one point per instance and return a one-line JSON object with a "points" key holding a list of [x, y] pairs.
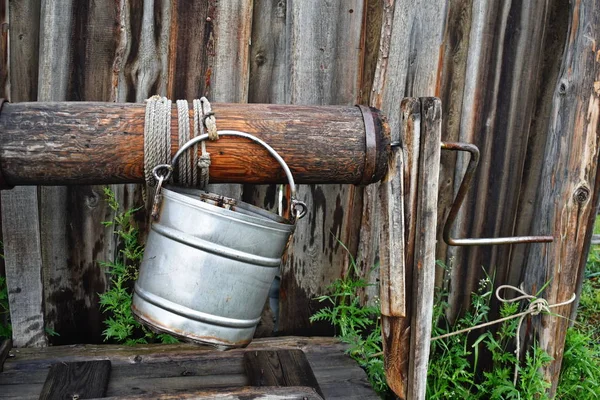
{"points": [[460, 196]]}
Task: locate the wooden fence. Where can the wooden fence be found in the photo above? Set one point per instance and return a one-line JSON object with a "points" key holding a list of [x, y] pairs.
{"points": [[517, 78]]}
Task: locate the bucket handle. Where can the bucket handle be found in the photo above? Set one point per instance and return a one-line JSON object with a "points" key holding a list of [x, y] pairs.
{"points": [[298, 208]]}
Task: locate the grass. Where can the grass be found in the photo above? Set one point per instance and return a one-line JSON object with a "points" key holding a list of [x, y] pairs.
{"points": [[121, 326], [455, 368], [356, 324], [5, 327]]}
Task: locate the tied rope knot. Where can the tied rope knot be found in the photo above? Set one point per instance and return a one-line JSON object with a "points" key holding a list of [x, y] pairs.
{"points": [[536, 306]]}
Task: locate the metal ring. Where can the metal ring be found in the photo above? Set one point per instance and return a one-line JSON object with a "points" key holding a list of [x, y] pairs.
{"points": [[166, 176], [271, 151], [370, 145]]}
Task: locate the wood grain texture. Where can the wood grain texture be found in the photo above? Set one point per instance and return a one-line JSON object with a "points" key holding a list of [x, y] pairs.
{"points": [[323, 68], [81, 380], [566, 193], [408, 66], [78, 142], [83, 36], [22, 252], [5, 347], [20, 207], [267, 79], [152, 370], [280, 368], [499, 63], [396, 330], [425, 241], [236, 393]]}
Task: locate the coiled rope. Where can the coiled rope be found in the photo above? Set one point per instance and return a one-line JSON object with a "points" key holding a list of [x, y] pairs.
{"points": [[157, 139]]}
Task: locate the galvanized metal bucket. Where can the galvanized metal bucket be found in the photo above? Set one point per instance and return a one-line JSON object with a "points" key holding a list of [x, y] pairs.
{"points": [[209, 261]]}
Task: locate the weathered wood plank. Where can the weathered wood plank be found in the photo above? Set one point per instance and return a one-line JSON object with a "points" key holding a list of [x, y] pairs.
{"points": [[25, 285], [5, 347], [425, 241], [74, 240], [22, 252], [491, 98], [567, 194], [323, 68], [280, 368], [396, 330], [82, 380], [235, 393], [151, 370], [408, 66], [267, 79]]}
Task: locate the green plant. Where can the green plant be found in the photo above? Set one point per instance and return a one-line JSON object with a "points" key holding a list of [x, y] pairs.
{"points": [[121, 325], [5, 327], [356, 324], [580, 372], [454, 368]]}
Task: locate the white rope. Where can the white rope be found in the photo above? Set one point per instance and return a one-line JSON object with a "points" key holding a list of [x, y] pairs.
{"points": [[536, 306], [205, 120], [184, 166]]}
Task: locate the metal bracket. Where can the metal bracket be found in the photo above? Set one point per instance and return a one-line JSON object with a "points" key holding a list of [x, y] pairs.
{"points": [[460, 196]]}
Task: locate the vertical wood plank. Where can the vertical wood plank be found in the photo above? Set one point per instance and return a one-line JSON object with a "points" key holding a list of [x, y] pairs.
{"points": [[408, 65], [323, 68], [231, 69], [22, 247], [567, 189], [493, 110], [5, 347], [396, 331], [267, 79], [22, 252], [425, 241], [83, 37]]}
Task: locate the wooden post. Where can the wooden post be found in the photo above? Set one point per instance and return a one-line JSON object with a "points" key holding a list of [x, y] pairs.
{"points": [[567, 196], [425, 241], [398, 203]]}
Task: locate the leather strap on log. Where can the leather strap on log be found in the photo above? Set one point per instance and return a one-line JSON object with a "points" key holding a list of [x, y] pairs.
{"points": [[68, 143]]}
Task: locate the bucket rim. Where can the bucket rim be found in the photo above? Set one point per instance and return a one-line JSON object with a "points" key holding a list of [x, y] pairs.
{"points": [[242, 210]]}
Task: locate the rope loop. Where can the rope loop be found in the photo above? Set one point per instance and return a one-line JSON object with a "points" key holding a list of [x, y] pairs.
{"points": [[536, 306]]}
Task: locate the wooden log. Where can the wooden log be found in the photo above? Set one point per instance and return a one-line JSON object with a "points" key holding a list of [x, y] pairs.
{"points": [[81, 380], [79, 143]]}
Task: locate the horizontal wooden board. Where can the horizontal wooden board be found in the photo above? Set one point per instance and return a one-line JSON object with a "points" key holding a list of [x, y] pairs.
{"points": [[163, 369]]}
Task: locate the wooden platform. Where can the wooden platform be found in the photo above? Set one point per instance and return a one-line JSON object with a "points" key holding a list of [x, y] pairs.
{"points": [[190, 371]]}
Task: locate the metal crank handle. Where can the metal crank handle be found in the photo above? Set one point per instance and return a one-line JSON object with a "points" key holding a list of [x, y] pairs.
{"points": [[460, 196]]}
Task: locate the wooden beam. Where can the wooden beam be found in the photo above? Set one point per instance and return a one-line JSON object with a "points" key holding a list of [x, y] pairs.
{"points": [[80, 143]]}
